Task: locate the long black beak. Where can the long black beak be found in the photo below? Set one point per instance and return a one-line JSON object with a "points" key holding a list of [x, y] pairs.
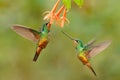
{"points": [[67, 35]]}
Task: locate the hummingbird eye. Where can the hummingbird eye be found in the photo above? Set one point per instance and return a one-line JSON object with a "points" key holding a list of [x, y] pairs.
{"points": [[77, 41], [46, 23]]}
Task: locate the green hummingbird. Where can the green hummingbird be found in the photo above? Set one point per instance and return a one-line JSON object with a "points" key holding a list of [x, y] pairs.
{"points": [[87, 51], [40, 37]]}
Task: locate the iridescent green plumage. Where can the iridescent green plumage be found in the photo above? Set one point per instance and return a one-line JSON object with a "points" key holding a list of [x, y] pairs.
{"points": [[43, 41], [44, 31], [41, 37], [85, 52]]}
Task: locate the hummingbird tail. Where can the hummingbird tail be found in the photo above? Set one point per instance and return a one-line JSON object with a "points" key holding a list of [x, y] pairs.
{"points": [[42, 44], [39, 49], [90, 67]]}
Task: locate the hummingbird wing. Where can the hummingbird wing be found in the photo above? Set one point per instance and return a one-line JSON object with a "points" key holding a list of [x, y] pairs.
{"points": [[27, 33], [89, 44], [98, 48]]}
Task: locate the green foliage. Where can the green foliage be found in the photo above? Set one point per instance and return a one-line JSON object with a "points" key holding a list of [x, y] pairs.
{"points": [[67, 3], [79, 2]]}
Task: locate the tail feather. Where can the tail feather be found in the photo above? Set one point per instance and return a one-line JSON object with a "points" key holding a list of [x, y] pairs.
{"points": [[90, 67], [39, 49], [41, 45]]}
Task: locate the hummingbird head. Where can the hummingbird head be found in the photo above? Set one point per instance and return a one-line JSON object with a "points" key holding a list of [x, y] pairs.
{"points": [[46, 27], [76, 42]]}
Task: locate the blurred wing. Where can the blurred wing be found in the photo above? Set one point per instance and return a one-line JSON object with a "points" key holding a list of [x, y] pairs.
{"points": [[90, 42], [27, 33], [98, 48]]}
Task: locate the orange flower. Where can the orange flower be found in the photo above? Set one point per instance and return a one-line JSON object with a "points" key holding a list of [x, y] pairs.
{"points": [[57, 15], [61, 21], [51, 14]]}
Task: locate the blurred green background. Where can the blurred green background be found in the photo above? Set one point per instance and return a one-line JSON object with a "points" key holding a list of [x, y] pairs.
{"points": [[96, 19]]}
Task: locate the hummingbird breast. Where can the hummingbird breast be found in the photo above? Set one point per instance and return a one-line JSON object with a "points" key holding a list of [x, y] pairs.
{"points": [[83, 59], [43, 43]]}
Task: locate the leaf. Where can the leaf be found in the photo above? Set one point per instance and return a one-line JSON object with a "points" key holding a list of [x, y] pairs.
{"points": [[67, 3], [79, 2]]}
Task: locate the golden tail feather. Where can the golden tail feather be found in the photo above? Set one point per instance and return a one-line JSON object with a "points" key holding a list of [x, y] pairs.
{"points": [[39, 49], [90, 67]]}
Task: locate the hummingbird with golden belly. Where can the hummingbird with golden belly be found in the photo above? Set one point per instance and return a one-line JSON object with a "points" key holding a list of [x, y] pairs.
{"points": [[86, 52], [40, 37]]}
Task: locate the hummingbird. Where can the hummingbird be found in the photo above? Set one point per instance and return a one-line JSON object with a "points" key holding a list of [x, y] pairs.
{"points": [[40, 37], [87, 51]]}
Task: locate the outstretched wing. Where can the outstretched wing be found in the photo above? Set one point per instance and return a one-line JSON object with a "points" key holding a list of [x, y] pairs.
{"points": [[90, 44], [27, 33], [98, 48]]}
